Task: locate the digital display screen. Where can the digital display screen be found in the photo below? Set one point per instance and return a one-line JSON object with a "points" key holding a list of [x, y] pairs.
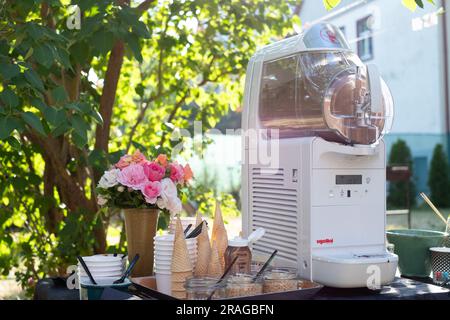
{"points": [[349, 179]]}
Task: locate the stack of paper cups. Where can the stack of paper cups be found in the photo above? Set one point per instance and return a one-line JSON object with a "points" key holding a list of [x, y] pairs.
{"points": [[163, 260]]}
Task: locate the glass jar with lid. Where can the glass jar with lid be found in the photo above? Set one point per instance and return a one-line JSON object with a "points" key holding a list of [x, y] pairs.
{"points": [[200, 288], [280, 279]]}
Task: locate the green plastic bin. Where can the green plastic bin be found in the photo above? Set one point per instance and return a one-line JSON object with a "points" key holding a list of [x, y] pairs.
{"points": [[412, 247]]}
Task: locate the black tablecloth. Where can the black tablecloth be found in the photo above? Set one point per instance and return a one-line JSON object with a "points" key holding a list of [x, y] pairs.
{"points": [[401, 288]]}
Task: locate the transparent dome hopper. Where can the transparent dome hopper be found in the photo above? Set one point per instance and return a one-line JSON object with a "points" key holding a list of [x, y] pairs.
{"points": [[327, 94]]}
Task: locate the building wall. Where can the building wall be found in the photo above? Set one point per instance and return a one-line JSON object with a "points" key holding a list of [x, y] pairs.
{"points": [[410, 61]]}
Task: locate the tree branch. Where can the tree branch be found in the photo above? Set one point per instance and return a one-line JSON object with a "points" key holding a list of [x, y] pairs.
{"points": [[144, 6], [140, 118], [108, 96], [173, 113]]}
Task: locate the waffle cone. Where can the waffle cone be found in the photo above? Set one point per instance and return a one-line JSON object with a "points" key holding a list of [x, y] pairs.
{"points": [[219, 234], [203, 253], [179, 294], [181, 261], [214, 266], [178, 286], [181, 276], [198, 220]]}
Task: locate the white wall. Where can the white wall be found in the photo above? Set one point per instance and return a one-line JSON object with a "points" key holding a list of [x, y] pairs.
{"points": [[409, 61]]}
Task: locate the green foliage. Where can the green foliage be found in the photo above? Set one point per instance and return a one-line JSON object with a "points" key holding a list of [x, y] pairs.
{"points": [[401, 155], [439, 178], [184, 61]]}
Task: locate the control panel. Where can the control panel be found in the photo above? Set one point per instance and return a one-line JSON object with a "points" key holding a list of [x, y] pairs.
{"points": [[344, 187]]}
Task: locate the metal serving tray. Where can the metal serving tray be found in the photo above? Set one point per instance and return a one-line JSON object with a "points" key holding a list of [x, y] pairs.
{"points": [[145, 287]]}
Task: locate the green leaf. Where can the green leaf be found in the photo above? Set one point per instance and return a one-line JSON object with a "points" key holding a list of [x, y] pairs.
{"points": [[54, 116], [33, 121], [38, 103], [140, 29], [102, 41], [61, 129], [34, 79], [7, 126], [8, 97], [80, 52], [419, 3], [78, 140], [84, 107], [410, 4], [133, 43], [9, 71], [34, 31], [63, 58], [80, 127], [330, 4], [14, 143], [59, 94], [29, 53], [97, 159], [43, 55], [97, 117]]}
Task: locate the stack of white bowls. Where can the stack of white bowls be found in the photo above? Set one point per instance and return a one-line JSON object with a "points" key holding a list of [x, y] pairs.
{"points": [[163, 260], [185, 221], [103, 267]]}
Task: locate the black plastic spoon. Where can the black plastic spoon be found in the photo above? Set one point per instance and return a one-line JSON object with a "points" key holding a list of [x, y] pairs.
{"points": [[187, 229], [264, 267], [196, 231], [86, 269], [129, 269], [227, 271]]}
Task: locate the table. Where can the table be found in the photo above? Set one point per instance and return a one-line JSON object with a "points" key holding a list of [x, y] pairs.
{"points": [[401, 289]]}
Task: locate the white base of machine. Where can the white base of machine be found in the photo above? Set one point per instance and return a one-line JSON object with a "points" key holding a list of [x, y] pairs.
{"points": [[354, 271]]}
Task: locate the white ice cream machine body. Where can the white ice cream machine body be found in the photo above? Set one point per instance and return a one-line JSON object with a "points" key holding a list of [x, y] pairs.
{"points": [[314, 170]]}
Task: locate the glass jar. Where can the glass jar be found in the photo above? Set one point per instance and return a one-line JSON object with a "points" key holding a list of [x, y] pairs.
{"points": [[200, 288], [241, 284], [280, 279]]}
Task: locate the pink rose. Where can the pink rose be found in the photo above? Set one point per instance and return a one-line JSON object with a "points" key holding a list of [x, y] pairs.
{"points": [[151, 190], [154, 171], [133, 176], [176, 172], [124, 162]]}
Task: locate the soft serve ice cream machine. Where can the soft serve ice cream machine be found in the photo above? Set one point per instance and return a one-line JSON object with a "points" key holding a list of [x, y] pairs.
{"points": [[322, 195]]}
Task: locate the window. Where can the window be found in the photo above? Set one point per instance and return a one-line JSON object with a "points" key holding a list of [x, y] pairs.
{"points": [[364, 36]]}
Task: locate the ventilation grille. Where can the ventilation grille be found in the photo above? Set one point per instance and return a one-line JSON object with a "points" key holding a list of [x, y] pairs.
{"points": [[275, 209]]}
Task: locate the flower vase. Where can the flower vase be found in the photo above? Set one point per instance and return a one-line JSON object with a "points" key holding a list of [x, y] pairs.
{"points": [[141, 226]]}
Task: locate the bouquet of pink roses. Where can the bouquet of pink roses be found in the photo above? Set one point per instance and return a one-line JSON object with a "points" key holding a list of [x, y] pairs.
{"points": [[135, 182]]}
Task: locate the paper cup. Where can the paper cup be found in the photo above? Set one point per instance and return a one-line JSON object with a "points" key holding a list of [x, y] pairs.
{"points": [[163, 283]]}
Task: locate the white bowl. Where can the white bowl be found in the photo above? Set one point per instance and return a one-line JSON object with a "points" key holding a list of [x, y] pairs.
{"points": [[103, 267], [101, 281], [103, 258]]}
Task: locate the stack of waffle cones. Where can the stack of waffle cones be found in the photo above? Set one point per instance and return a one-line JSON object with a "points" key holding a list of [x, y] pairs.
{"points": [[204, 250], [181, 263], [219, 235]]}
